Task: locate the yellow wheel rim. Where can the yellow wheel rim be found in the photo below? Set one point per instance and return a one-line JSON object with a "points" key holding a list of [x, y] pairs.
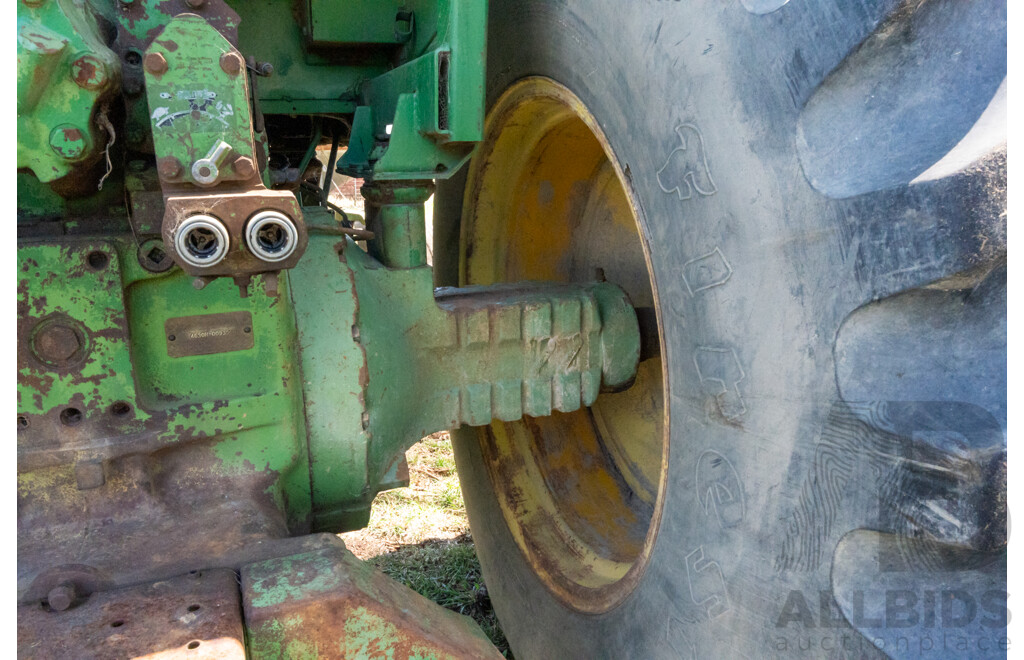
{"points": [[547, 200]]}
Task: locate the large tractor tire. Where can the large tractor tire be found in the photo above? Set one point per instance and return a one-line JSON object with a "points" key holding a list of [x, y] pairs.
{"points": [[806, 203]]}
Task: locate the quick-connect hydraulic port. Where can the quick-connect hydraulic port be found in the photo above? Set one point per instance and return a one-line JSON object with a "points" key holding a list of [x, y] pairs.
{"points": [[202, 240], [271, 236]]}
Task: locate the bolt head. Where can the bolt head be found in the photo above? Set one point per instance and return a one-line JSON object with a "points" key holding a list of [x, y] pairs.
{"points": [[89, 72], [155, 63], [169, 168], [243, 167], [56, 343], [232, 63], [195, 4], [69, 142], [61, 597]]}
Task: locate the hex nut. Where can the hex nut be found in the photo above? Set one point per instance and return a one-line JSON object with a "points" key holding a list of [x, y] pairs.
{"points": [[169, 168]]}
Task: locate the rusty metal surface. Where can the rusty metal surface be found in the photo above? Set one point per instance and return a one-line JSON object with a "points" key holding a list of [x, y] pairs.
{"points": [[207, 334], [122, 449], [201, 120], [329, 604], [71, 345], [234, 209], [192, 616]]}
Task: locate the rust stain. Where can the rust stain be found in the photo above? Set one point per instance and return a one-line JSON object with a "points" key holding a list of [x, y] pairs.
{"points": [[191, 616]]}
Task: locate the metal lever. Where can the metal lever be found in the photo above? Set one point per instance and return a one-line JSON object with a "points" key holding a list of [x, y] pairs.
{"points": [[205, 171]]}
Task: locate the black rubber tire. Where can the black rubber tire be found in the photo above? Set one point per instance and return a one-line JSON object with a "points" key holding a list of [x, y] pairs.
{"points": [[808, 205]]}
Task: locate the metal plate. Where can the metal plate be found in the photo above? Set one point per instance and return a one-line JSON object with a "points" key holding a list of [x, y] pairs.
{"points": [[195, 616], [209, 333]]}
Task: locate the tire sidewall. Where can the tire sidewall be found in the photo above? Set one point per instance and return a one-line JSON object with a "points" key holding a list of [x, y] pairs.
{"points": [[748, 347]]}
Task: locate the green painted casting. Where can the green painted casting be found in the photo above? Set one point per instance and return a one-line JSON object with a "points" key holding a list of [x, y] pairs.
{"points": [[245, 405], [198, 93], [64, 69], [396, 215], [386, 362], [421, 119], [328, 604]]}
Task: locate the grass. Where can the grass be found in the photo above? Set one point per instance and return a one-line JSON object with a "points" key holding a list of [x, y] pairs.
{"points": [[420, 537]]}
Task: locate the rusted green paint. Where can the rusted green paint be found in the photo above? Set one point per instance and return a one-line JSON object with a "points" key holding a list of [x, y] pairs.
{"points": [[64, 69], [250, 401], [173, 457], [239, 415], [195, 99], [393, 362], [293, 577], [329, 604], [433, 102], [58, 282], [89, 72], [367, 635], [397, 217], [69, 142], [333, 366]]}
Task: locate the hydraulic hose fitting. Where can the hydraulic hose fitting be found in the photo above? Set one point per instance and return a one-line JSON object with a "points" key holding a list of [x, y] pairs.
{"points": [[202, 241], [271, 236]]}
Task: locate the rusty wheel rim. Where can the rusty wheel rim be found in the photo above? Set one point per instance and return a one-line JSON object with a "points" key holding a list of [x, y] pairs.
{"points": [[581, 493]]}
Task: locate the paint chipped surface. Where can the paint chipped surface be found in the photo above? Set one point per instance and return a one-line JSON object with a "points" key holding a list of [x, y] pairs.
{"points": [[328, 604]]}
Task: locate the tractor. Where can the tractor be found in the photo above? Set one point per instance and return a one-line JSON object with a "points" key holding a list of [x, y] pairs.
{"points": [[712, 298]]}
